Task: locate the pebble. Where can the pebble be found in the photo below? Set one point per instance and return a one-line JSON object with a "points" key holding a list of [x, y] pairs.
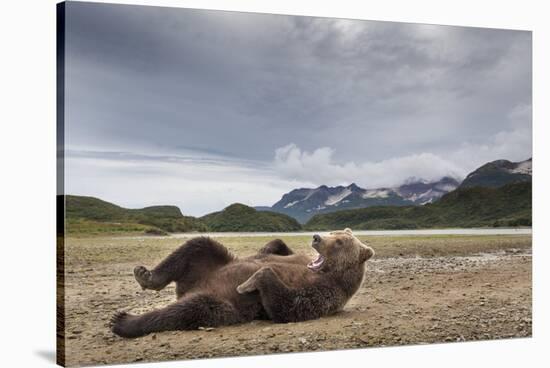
{"points": [[206, 328]]}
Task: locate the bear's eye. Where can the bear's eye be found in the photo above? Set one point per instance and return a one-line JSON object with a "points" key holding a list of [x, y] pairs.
{"points": [[339, 242]]}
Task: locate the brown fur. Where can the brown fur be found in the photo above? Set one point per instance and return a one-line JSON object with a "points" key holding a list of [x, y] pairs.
{"points": [[215, 288]]}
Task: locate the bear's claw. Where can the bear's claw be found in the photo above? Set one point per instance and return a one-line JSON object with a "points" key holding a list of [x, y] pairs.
{"points": [[246, 287], [143, 276], [122, 324], [117, 318]]}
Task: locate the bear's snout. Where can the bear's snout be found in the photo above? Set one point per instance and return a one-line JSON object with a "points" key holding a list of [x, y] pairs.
{"points": [[316, 241]]}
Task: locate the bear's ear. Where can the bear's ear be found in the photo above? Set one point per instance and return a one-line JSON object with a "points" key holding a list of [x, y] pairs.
{"points": [[348, 230], [365, 254]]}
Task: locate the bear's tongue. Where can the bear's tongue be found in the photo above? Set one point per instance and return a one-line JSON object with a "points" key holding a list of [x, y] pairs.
{"points": [[316, 263]]}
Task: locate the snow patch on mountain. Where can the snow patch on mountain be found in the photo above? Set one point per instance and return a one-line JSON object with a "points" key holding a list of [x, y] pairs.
{"points": [[334, 199], [427, 194], [311, 192], [376, 193], [291, 204], [446, 187], [524, 167]]}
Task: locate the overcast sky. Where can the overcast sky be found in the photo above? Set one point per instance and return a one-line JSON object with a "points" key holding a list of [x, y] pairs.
{"points": [[202, 109]]}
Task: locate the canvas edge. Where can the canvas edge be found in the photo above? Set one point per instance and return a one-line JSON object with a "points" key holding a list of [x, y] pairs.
{"points": [[60, 187]]}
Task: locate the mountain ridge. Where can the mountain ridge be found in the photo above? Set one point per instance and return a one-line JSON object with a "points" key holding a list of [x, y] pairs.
{"points": [[508, 205], [497, 173], [239, 217], [91, 214], [303, 203], [384, 207]]}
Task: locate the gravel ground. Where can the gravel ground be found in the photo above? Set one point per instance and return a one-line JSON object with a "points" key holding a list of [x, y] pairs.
{"points": [[409, 296]]}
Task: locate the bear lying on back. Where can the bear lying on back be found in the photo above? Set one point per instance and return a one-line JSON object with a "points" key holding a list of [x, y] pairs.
{"points": [[214, 288]]}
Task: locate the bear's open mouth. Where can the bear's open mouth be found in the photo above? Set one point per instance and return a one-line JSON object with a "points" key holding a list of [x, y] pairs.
{"points": [[316, 263]]}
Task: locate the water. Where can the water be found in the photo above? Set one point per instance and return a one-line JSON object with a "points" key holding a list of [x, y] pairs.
{"points": [[488, 231]]}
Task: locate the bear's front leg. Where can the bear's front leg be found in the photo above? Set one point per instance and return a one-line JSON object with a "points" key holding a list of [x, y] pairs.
{"points": [[252, 283], [278, 300], [283, 304]]}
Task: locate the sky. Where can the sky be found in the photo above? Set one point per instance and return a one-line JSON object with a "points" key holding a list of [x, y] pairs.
{"points": [[202, 109]]}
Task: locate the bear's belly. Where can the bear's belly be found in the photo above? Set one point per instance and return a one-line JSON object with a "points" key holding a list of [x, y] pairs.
{"points": [[223, 283], [298, 259]]}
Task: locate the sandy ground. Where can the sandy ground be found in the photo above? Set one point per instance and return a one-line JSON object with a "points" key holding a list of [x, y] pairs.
{"points": [[417, 290]]}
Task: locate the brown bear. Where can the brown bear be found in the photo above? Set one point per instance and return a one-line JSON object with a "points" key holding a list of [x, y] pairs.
{"points": [[214, 288]]}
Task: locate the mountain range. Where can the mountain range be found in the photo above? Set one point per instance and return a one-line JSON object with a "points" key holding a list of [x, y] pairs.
{"points": [[304, 203], [496, 194], [508, 206]]}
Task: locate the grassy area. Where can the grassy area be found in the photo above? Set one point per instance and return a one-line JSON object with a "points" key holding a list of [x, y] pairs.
{"points": [[82, 227], [138, 250]]}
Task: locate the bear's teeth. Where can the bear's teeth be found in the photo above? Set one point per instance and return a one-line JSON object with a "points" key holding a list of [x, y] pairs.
{"points": [[315, 264]]}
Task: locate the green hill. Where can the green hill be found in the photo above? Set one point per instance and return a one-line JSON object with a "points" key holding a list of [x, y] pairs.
{"points": [[93, 215], [509, 205], [239, 217], [498, 173]]}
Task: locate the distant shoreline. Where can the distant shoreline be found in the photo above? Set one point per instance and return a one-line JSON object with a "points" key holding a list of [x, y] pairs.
{"points": [[418, 232]]}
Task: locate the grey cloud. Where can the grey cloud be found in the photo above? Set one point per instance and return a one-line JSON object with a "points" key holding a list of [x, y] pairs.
{"points": [[192, 156], [160, 80]]}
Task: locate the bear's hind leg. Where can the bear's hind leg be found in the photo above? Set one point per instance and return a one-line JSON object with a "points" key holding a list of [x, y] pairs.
{"points": [[194, 259], [187, 314], [147, 280], [276, 246]]}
